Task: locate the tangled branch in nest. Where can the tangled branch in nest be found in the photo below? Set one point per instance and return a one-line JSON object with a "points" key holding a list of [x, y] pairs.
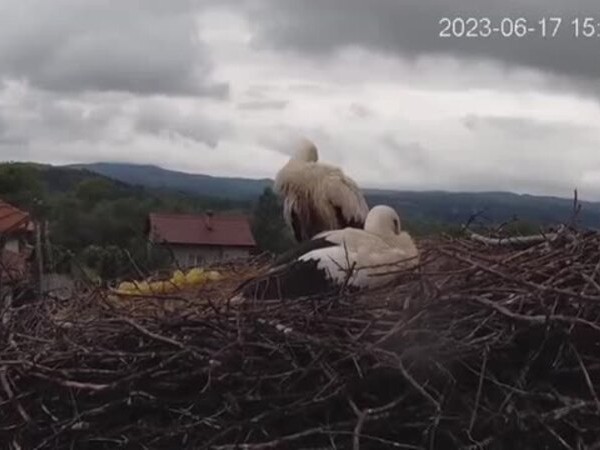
{"points": [[497, 350]]}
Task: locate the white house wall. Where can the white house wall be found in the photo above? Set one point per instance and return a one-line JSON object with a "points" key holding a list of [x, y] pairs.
{"points": [[196, 256], [12, 245]]}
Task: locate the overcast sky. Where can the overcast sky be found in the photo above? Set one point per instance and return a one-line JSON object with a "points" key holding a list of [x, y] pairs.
{"points": [[224, 87]]}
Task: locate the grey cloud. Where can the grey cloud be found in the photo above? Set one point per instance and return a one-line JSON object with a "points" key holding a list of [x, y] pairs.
{"points": [[308, 88], [134, 46], [277, 138], [3, 126], [160, 119], [258, 91], [41, 115], [543, 177], [409, 153], [527, 155], [525, 128], [411, 28], [360, 111], [508, 153], [356, 112], [540, 179], [7, 138], [55, 120], [263, 105], [284, 139]]}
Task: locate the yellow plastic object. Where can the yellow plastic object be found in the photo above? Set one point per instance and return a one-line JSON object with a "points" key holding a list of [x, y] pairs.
{"points": [[169, 287], [143, 288], [157, 287], [213, 275], [178, 279], [124, 293], [195, 276], [126, 287]]}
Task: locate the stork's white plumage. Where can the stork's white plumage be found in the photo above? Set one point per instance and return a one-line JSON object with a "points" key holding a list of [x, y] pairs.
{"points": [[318, 197], [352, 257]]}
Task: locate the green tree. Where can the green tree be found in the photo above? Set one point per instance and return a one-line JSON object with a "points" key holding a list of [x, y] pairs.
{"points": [[91, 191], [21, 185], [99, 221], [269, 229]]}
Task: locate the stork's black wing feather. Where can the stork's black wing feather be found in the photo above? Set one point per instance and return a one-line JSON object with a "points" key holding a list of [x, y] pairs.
{"points": [[289, 278], [307, 225], [297, 226], [345, 222], [295, 280], [301, 249]]}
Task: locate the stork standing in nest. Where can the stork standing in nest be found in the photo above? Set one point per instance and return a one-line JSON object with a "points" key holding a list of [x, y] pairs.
{"points": [[318, 197], [351, 258]]}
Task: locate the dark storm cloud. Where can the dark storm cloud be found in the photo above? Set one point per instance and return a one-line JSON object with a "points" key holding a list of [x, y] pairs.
{"points": [[144, 47], [411, 28]]}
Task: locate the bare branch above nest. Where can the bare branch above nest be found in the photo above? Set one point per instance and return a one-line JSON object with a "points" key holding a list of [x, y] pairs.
{"points": [[513, 240]]}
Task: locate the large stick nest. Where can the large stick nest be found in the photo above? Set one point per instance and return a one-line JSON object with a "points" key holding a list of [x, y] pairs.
{"points": [[482, 347]]}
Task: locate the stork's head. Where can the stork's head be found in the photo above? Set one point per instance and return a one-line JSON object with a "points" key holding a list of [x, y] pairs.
{"points": [[383, 220], [306, 152]]}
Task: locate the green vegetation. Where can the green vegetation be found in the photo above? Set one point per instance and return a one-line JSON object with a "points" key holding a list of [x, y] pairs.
{"points": [[491, 208], [102, 221], [269, 229], [431, 208], [96, 219], [424, 228]]}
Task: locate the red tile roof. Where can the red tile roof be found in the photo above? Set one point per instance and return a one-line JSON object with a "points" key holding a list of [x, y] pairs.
{"points": [[12, 219], [225, 230]]}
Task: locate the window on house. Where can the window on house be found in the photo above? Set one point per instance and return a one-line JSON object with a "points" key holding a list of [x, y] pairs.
{"points": [[195, 259]]}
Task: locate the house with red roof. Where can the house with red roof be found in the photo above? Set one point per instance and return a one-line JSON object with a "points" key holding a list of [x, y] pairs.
{"points": [[196, 240], [16, 235]]}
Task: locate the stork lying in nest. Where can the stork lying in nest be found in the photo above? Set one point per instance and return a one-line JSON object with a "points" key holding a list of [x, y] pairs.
{"points": [[348, 257]]}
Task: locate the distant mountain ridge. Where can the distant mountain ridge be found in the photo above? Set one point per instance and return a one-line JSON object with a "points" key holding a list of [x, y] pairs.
{"points": [[157, 177], [437, 206]]}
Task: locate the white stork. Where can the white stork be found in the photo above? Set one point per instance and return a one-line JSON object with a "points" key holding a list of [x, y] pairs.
{"points": [[318, 197], [352, 257]]}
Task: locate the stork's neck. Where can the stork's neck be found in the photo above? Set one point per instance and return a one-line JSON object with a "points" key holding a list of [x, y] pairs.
{"points": [[295, 162], [291, 167]]}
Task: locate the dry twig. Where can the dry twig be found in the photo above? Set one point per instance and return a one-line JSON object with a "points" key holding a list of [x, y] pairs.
{"points": [[496, 351]]}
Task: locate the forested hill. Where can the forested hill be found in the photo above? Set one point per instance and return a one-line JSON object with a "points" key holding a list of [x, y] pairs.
{"points": [[102, 222], [425, 208], [96, 217], [493, 207], [89, 213], [153, 176]]}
